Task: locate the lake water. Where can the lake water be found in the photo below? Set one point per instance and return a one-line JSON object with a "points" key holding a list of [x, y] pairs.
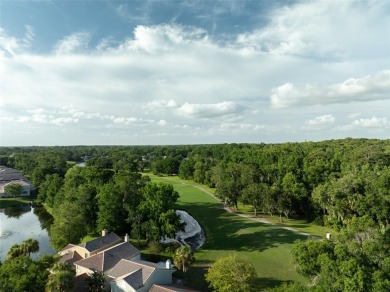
{"points": [[22, 222]]}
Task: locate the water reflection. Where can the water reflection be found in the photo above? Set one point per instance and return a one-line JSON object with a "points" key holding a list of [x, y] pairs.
{"points": [[23, 222], [45, 219], [17, 211]]}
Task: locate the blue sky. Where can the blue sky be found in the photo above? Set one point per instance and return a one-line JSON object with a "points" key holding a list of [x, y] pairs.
{"points": [[192, 72]]}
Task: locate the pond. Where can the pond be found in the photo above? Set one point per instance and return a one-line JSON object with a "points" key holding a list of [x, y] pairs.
{"points": [[22, 222]]}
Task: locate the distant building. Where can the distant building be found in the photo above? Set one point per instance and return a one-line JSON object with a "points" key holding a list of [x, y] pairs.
{"points": [[12, 176]]}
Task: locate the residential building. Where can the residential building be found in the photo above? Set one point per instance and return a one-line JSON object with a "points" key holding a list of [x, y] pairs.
{"points": [[121, 264], [12, 176]]}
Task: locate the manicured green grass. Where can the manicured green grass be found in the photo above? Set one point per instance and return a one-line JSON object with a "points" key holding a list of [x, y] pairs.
{"points": [[9, 202], [267, 247], [298, 224]]}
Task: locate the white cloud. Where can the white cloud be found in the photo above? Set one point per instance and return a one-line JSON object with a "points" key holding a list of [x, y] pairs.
{"points": [[158, 104], [209, 110], [159, 38], [321, 120], [354, 115], [368, 88], [373, 122], [162, 123], [39, 118], [12, 45], [63, 121], [323, 29], [73, 43], [123, 120], [181, 76]]}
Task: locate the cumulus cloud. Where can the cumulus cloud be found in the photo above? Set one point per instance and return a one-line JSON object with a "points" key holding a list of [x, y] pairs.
{"points": [[124, 120], [73, 43], [63, 121], [163, 37], [162, 123], [367, 88], [321, 121], [373, 123], [184, 77], [313, 29], [209, 110], [158, 104]]}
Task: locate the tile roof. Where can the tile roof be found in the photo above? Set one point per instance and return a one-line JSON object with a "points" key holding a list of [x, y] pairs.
{"points": [[125, 267], [135, 279], [67, 247], [107, 259], [71, 257], [101, 242], [9, 174]]}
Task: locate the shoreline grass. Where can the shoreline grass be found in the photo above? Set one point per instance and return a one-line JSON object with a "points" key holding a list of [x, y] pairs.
{"points": [[10, 202]]}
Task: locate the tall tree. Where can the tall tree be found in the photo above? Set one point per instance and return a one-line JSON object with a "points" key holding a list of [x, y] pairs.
{"points": [[111, 212], [68, 227], [232, 273], [160, 218]]}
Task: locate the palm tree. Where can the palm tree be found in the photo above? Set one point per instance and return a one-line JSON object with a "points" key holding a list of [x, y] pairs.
{"points": [[14, 251], [31, 246], [183, 257]]}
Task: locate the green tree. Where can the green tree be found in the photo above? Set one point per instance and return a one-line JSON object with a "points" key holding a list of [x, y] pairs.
{"points": [[356, 260], [158, 205], [68, 227], [14, 252], [255, 194], [61, 279], [232, 273], [30, 246], [23, 274], [14, 189], [50, 188], [25, 248], [111, 212], [96, 282], [183, 257]]}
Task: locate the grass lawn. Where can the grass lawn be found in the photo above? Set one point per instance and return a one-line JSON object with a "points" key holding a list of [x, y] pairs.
{"points": [[9, 202], [299, 224], [267, 247]]}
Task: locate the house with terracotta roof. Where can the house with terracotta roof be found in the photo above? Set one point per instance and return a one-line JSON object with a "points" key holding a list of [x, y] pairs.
{"points": [[120, 262], [10, 176]]}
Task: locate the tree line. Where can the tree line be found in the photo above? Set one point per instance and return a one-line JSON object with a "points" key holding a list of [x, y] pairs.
{"points": [[344, 184]]}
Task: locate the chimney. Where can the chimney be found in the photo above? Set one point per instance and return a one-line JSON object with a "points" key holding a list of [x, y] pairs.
{"points": [[104, 232], [126, 238], [168, 264]]}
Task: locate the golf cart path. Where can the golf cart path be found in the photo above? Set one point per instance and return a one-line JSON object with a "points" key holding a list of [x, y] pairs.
{"points": [[262, 220]]}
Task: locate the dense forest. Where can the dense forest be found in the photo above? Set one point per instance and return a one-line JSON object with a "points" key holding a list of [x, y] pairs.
{"points": [[344, 184]]}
